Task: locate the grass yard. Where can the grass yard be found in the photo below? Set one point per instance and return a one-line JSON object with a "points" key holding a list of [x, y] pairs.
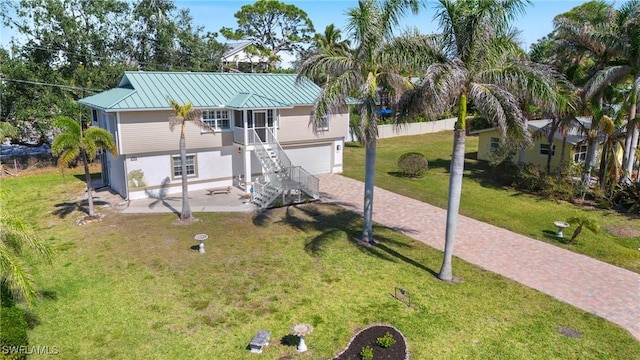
{"points": [[481, 199], [133, 287]]}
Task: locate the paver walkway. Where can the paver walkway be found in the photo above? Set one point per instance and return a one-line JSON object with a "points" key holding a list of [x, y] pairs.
{"points": [[594, 286]]}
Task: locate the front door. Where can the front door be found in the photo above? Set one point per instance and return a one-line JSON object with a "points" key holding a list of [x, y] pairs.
{"points": [[260, 124]]}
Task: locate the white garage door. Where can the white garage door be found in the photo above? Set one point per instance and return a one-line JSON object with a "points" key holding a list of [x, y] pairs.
{"points": [[315, 159]]}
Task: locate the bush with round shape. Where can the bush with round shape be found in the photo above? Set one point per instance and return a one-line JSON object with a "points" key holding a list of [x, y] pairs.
{"points": [[413, 165]]}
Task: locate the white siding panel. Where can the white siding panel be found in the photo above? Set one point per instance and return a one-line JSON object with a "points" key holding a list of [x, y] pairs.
{"points": [[214, 168]]}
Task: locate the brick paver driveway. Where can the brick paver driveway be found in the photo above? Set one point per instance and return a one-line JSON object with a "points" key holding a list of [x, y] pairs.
{"points": [[599, 288]]}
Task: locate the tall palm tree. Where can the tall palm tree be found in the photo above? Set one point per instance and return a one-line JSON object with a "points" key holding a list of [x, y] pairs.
{"points": [[587, 30], [477, 60], [358, 74], [75, 142], [620, 36], [183, 114], [331, 41], [16, 238]]}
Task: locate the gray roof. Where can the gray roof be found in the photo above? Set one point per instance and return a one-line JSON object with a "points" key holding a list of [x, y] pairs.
{"points": [[574, 137], [140, 90], [235, 48]]}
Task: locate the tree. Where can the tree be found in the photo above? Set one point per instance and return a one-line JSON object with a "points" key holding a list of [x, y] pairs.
{"points": [[76, 142], [16, 239], [358, 74], [476, 60], [273, 26], [624, 37], [582, 222], [331, 41], [183, 114]]}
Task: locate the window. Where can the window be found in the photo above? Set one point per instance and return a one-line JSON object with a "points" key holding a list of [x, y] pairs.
{"points": [[216, 119], [581, 154], [494, 143], [323, 124], [176, 164], [94, 116], [544, 149]]}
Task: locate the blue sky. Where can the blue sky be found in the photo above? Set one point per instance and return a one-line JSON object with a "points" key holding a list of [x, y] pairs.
{"points": [[214, 14], [535, 24]]}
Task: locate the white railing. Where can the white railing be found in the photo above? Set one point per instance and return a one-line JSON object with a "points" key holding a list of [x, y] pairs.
{"points": [[279, 174]]}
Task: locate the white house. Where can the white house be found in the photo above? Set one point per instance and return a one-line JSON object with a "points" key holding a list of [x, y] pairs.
{"points": [[262, 141]]}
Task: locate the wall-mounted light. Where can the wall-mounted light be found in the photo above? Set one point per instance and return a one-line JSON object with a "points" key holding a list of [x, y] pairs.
{"points": [[239, 150], [338, 147]]}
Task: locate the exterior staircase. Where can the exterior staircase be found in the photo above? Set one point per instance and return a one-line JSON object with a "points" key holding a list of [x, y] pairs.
{"points": [[280, 179]]}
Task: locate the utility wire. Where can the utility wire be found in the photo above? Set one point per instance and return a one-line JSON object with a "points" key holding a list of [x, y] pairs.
{"points": [[66, 87]]}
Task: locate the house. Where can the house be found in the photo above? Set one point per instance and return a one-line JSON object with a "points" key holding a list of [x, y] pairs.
{"points": [[242, 57], [575, 151], [261, 139]]}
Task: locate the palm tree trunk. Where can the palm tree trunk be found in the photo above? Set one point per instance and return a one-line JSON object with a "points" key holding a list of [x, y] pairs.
{"points": [[87, 177], [592, 144], [631, 140], [562, 152], [369, 177], [185, 215], [455, 190]]}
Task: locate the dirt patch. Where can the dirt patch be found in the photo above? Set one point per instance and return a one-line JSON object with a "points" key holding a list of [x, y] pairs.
{"points": [[624, 231]]}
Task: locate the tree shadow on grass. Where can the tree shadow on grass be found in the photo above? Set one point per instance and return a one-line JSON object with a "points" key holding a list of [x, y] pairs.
{"points": [[64, 209], [332, 226]]}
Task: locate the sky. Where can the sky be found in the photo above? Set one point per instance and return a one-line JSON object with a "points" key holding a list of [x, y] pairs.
{"points": [[215, 14]]}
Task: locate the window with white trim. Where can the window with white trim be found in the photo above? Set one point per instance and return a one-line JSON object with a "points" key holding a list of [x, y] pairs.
{"points": [[176, 165], [217, 119], [544, 149], [581, 154], [323, 123], [494, 143]]}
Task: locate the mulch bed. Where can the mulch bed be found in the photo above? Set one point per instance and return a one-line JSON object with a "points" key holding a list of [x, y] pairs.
{"points": [[368, 337]]}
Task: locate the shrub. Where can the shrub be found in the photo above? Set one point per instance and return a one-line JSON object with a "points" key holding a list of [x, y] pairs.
{"points": [[386, 340], [413, 164], [367, 353], [13, 330]]}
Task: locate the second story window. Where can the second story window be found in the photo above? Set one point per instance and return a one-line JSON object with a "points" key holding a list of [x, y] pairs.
{"points": [[217, 119]]}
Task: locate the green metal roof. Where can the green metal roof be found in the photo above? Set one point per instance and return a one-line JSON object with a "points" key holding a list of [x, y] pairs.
{"points": [[151, 90], [254, 101]]}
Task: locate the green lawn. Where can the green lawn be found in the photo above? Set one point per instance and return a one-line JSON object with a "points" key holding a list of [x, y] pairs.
{"points": [[506, 208], [132, 287]]}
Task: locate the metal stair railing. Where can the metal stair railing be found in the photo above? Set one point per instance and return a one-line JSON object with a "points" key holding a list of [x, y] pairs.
{"points": [[308, 183], [279, 174]]}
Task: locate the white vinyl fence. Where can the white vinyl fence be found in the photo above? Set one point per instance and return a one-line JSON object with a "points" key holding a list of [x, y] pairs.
{"points": [[389, 131]]}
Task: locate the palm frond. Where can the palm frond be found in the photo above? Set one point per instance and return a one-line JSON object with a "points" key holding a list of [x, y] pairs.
{"points": [[102, 139], [501, 108], [67, 157], [607, 76]]}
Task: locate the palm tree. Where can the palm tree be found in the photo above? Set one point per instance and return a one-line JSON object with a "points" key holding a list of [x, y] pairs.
{"points": [[582, 222], [331, 41], [183, 114], [16, 238], [358, 74], [618, 43], [477, 60], [75, 142]]}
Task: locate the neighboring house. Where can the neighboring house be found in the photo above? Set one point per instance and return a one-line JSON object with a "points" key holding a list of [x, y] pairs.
{"points": [[575, 151], [239, 57], [262, 141]]}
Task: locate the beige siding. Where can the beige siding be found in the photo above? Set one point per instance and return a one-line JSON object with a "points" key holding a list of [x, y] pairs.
{"points": [[532, 154], [295, 127], [148, 131]]}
